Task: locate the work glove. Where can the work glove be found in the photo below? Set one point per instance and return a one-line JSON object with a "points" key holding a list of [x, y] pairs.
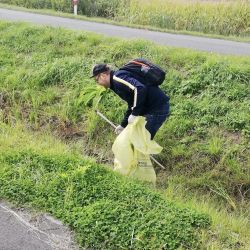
{"points": [[131, 119], [119, 129]]}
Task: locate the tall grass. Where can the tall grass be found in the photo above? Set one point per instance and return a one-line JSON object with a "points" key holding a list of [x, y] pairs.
{"points": [[213, 17], [44, 82], [228, 230], [218, 17]]}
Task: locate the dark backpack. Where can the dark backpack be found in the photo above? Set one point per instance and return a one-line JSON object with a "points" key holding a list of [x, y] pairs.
{"points": [[145, 72]]}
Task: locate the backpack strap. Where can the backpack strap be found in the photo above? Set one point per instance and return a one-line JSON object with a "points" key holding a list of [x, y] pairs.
{"points": [[140, 63]]}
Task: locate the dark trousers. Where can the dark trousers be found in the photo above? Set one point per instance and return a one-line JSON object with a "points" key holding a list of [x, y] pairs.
{"points": [[156, 118]]}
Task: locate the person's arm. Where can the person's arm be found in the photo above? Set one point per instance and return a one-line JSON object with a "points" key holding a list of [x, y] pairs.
{"points": [[138, 90], [124, 122]]}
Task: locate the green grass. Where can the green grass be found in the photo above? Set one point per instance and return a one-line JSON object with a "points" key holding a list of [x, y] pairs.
{"points": [[123, 21], [45, 83], [38, 170], [105, 210], [228, 230]]}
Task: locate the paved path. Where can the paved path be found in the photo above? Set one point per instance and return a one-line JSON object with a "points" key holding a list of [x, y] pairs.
{"points": [[23, 230], [183, 41]]}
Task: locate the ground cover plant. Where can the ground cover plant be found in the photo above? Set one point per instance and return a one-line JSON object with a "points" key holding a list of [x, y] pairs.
{"points": [[211, 17], [105, 210], [44, 84]]}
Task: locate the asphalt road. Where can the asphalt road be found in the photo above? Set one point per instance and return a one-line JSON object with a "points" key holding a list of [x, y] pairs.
{"points": [[23, 230], [181, 41]]}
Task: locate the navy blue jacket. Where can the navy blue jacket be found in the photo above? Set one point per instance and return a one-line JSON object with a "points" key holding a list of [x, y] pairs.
{"points": [[141, 99]]}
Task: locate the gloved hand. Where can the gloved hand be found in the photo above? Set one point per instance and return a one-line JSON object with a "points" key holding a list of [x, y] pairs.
{"points": [[119, 129], [131, 119]]}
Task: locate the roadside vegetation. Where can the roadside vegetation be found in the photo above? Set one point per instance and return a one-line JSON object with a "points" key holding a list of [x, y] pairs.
{"points": [[40, 171], [227, 18], [45, 86], [105, 210]]}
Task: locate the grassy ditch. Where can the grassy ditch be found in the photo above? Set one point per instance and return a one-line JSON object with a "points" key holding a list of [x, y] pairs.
{"points": [[227, 18], [45, 84], [105, 210]]}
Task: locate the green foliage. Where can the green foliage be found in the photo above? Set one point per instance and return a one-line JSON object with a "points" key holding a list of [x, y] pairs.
{"points": [[105, 209], [215, 146], [44, 82], [91, 95], [103, 8], [51, 166], [56, 73], [61, 5]]}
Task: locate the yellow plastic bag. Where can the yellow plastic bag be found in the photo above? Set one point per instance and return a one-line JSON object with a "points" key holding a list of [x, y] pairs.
{"points": [[132, 148]]}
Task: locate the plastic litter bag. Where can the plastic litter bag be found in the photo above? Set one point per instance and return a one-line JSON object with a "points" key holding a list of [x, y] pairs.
{"points": [[132, 148]]}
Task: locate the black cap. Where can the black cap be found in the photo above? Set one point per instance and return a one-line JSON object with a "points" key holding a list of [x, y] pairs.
{"points": [[99, 68]]}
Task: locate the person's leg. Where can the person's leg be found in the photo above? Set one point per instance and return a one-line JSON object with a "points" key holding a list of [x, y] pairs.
{"points": [[156, 119], [154, 122]]}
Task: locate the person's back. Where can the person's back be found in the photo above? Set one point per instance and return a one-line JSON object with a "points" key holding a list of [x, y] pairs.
{"points": [[147, 101], [154, 98]]}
